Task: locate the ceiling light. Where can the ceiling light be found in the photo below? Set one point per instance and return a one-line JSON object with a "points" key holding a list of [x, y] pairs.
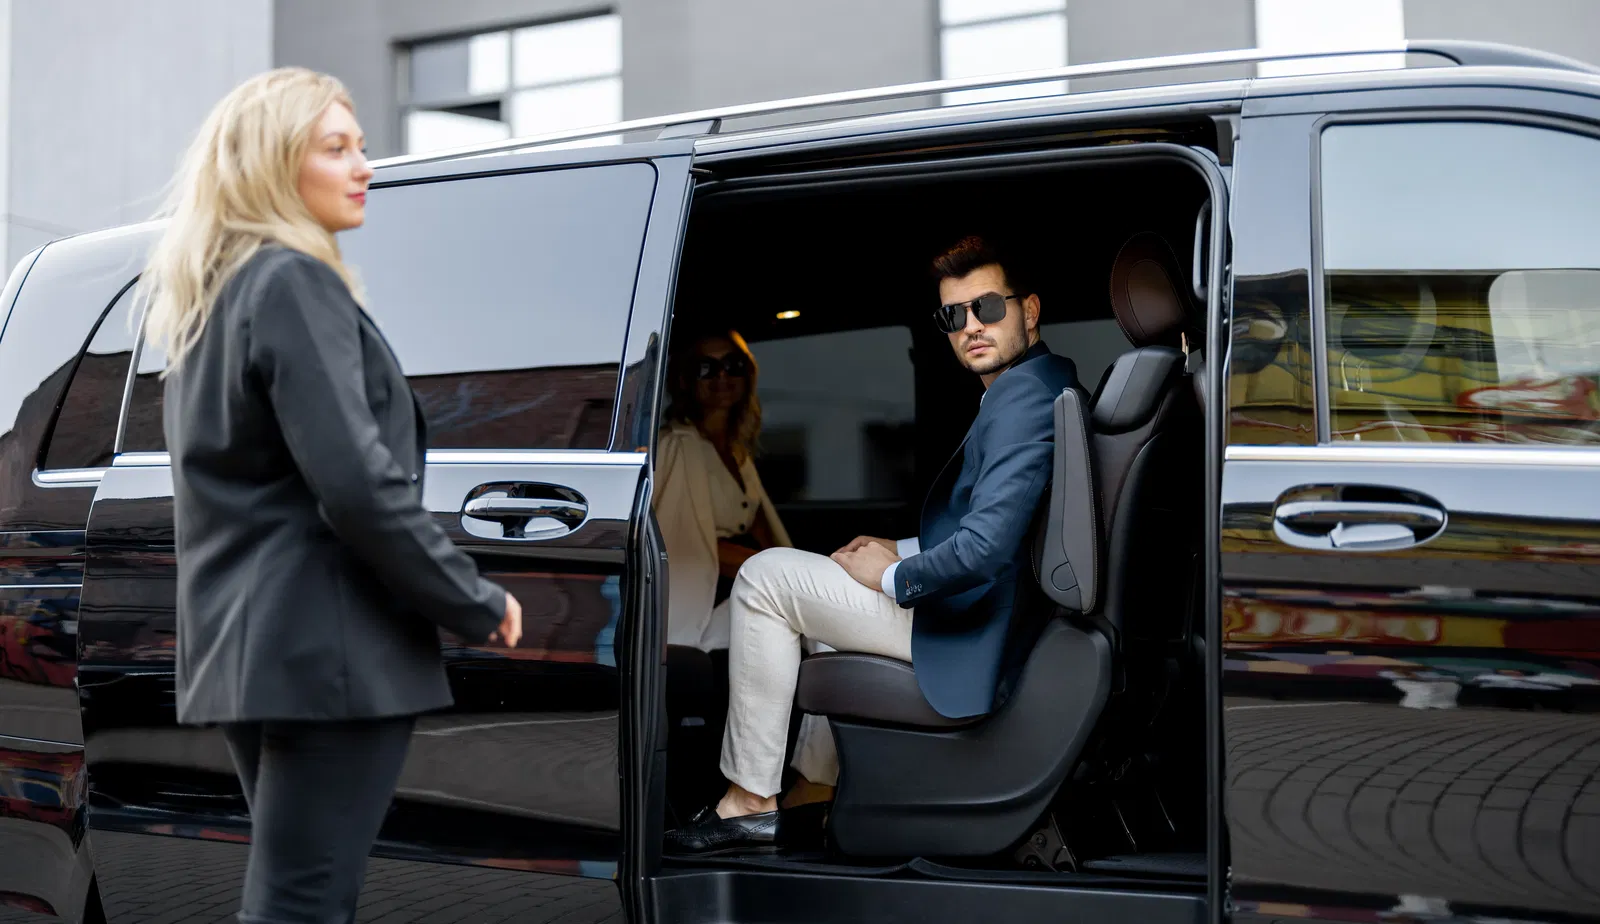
{"points": [[789, 315]]}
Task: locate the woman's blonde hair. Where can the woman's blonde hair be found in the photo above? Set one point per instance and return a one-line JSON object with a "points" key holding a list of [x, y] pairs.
{"points": [[236, 190], [683, 405]]}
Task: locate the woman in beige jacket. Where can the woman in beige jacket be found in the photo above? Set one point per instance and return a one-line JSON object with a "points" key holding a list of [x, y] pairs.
{"points": [[714, 513]]}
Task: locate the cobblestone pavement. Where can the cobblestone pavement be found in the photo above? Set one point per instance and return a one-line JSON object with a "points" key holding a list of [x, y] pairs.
{"points": [[167, 880], [1473, 806]]}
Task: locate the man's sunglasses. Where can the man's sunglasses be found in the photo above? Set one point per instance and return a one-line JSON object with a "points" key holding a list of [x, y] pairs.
{"points": [[734, 365], [989, 307]]}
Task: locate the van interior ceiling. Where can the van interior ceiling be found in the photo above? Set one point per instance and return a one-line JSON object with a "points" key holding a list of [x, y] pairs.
{"points": [[830, 283]]}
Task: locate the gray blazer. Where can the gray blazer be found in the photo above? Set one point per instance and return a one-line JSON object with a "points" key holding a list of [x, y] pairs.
{"points": [[311, 580]]}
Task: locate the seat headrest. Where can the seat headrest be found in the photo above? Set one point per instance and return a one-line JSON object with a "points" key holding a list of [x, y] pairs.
{"points": [[1148, 292]]}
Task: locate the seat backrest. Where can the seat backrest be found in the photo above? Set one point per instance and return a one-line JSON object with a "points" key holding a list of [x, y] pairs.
{"points": [[1067, 550], [1145, 444]]}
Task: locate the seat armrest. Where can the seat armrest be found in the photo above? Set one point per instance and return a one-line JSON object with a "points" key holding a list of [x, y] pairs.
{"points": [[1069, 550]]}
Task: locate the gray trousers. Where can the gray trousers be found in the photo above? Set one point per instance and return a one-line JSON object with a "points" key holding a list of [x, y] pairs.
{"points": [[317, 793]]}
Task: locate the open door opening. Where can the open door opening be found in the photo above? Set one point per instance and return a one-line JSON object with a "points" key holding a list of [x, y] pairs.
{"points": [[826, 279]]}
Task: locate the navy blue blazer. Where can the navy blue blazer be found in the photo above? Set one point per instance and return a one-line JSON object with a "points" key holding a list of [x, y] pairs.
{"points": [[974, 537]]}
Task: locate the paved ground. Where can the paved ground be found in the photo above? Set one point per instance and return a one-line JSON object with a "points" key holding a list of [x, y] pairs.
{"points": [[1466, 805], [169, 880]]}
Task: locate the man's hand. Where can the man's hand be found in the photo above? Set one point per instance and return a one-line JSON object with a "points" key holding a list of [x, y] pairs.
{"points": [[860, 542], [510, 630], [867, 562]]}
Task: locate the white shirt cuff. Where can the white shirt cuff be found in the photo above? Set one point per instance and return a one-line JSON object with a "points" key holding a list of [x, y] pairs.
{"points": [[887, 584], [905, 548]]}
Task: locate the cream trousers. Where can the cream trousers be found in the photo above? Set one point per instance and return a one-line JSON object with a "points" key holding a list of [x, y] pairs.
{"points": [[782, 599]]}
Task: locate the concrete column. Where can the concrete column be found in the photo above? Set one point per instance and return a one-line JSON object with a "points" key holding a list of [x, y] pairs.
{"points": [[1566, 27], [1114, 30], [103, 96]]}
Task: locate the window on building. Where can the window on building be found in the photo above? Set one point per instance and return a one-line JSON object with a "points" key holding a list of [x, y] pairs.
{"points": [[1328, 25], [1462, 278], [514, 82], [86, 426], [981, 37]]}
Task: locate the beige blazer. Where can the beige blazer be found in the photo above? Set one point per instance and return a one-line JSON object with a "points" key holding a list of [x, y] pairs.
{"points": [[689, 484]]}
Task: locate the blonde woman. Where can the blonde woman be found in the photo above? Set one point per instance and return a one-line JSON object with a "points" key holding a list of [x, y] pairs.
{"points": [[714, 514], [709, 501], [310, 577]]}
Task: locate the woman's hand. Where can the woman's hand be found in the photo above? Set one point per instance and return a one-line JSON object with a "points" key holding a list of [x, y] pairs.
{"points": [[731, 556], [510, 631]]}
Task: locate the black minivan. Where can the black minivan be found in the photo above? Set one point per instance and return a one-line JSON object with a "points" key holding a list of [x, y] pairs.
{"points": [[1322, 627]]}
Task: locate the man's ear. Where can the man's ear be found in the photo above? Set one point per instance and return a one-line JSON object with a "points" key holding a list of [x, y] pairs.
{"points": [[1030, 311]]}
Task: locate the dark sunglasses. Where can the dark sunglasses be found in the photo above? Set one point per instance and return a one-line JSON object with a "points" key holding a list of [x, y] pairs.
{"points": [[734, 365], [989, 307]]}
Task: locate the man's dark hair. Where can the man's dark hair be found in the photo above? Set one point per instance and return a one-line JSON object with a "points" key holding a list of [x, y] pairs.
{"points": [[972, 252]]}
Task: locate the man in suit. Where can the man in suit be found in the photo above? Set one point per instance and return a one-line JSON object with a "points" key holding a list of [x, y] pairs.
{"points": [[943, 601]]}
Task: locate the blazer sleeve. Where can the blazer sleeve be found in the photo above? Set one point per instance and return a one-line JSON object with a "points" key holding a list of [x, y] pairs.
{"points": [[1015, 455], [304, 346]]}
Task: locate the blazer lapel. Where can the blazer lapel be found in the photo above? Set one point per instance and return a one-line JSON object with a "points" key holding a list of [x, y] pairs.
{"points": [[922, 518]]}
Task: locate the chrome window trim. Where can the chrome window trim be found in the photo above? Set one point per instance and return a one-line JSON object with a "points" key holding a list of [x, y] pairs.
{"points": [[446, 457], [40, 745], [1398, 454], [141, 460], [68, 477], [533, 457]]}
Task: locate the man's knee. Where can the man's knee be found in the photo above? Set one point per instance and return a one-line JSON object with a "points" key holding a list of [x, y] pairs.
{"points": [[768, 562], [756, 576]]}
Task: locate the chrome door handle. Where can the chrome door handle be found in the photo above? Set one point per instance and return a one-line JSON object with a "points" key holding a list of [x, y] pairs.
{"points": [[523, 512], [502, 508], [1314, 513], [1355, 526]]}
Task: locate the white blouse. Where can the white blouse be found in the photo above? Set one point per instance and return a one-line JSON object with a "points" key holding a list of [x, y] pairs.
{"points": [[698, 501]]}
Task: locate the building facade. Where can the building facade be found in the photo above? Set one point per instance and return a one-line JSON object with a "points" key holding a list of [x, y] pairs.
{"points": [[99, 97]]}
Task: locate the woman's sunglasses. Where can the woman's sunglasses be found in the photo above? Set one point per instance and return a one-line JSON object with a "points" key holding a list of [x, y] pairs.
{"points": [[989, 307], [733, 365]]}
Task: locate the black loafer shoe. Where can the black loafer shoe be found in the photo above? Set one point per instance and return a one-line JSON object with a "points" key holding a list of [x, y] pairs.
{"points": [[708, 834]]}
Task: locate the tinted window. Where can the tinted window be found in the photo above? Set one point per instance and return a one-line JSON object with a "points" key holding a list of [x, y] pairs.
{"points": [[1091, 345], [843, 435], [1463, 283], [86, 426], [143, 431], [506, 299]]}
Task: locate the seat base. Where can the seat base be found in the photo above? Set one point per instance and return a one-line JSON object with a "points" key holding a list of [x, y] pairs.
{"points": [[867, 688], [975, 790]]}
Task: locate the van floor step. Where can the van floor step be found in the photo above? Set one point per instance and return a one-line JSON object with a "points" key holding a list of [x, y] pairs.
{"points": [[1187, 865]]}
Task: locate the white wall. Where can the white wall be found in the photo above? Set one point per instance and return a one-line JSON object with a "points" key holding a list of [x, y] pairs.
{"points": [[102, 98], [1566, 27], [5, 130]]}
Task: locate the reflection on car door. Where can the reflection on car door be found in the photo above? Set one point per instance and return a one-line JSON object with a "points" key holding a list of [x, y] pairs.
{"points": [[1412, 595], [506, 298], [57, 427]]}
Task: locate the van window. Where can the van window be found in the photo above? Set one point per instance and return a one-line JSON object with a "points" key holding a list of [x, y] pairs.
{"points": [[1462, 277], [1093, 346], [85, 428], [144, 430], [506, 299], [841, 436]]}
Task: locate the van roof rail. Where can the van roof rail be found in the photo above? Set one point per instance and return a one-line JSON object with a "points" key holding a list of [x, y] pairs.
{"points": [[709, 121]]}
